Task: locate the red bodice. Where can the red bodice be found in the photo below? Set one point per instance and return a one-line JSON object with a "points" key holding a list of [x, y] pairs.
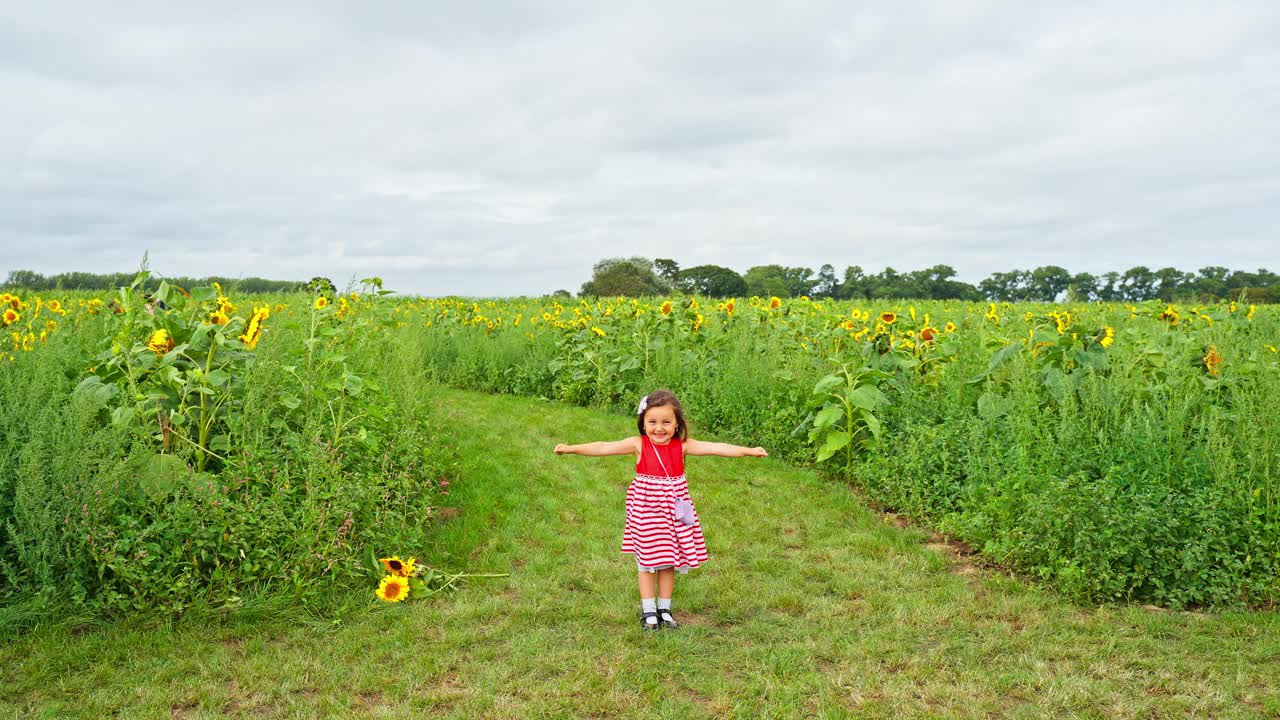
{"points": [[672, 457]]}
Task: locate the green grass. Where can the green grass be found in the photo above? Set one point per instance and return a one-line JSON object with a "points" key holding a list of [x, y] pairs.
{"points": [[811, 606]]}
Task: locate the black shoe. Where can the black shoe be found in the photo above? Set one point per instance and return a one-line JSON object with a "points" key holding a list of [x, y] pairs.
{"points": [[644, 620], [666, 619]]}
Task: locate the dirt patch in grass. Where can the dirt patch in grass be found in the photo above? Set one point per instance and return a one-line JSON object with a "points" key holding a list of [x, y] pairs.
{"points": [[369, 700]]}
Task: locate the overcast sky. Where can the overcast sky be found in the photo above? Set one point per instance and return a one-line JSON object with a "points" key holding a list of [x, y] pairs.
{"points": [[500, 148]]}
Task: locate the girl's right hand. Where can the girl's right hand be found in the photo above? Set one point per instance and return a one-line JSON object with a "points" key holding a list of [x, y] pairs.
{"points": [[562, 449]]}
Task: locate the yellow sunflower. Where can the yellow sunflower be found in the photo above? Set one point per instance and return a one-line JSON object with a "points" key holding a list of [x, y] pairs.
{"points": [[393, 588], [217, 317], [1212, 361], [597, 331], [160, 342], [393, 564], [666, 308], [253, 330], [774, 303], [11, 316], [321, 303], [1108, 336], [927, 334], [950, 327], [888, 318]]}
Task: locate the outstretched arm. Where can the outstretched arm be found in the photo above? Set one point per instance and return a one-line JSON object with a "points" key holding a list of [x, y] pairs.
{"points": [[697, 447], [629, 446]]}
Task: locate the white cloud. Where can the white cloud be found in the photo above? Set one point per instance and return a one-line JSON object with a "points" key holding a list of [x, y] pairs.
{"points": [[505, 147]]}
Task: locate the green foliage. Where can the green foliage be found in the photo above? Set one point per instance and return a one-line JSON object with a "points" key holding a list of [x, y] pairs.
{"points": [[218, 467], [631, 277], [1090, 446]]}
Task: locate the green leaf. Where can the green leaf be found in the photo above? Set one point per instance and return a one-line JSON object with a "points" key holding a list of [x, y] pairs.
{"points": [[219, 377], [290, 401], [353, 384], [161, 474], [873, 424], [867, 397], [95, 391], [1002, 356], [827, 384], [828, 416], [833, 442], [991, 406]]}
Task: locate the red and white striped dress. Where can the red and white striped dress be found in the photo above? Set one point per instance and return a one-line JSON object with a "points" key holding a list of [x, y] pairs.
{"points": [[652, 533]]}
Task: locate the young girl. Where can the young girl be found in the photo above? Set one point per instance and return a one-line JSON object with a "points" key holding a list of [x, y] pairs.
{"points": [[662, 529]]}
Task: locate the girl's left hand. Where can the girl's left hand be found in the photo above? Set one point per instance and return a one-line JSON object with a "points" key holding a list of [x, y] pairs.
{"points": [[756, 452]]}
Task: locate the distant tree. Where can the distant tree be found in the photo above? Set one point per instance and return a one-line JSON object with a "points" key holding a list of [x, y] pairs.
{"points": [[855, 284], [1172, 283], [935, 283], [711, 280], [800, 280], [319, 285], [666, 269], [632, 277], [1138, 284], [25, 279], [826, 286], [1045, 283], [562, 294], [889, 283], [1110, 291], [1083, 287], [767, 280], [1002, 286], [1211, 283]]}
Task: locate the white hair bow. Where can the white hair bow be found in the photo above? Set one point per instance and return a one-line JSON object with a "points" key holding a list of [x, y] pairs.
{"points": [[644, 403]]}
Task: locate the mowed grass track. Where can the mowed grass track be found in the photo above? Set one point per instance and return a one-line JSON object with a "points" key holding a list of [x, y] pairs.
{"points": [[811, 606]]}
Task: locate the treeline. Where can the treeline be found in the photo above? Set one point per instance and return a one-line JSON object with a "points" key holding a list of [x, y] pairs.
{"points": [[641, 276], [29, 280]]}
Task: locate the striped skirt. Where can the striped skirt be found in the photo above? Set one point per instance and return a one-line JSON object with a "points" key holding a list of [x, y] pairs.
{"points": [[652, 532]]}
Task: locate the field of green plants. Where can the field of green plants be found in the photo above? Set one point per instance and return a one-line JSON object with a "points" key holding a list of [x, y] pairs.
{"points": [[183, 446], [1117, 452]]}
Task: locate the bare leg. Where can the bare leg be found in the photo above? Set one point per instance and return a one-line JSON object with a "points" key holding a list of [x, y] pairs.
{"points": [[666, 582], [646, 584]]}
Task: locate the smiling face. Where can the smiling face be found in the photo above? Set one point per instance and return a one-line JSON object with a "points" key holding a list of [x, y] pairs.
{"points": [[660, 424]]}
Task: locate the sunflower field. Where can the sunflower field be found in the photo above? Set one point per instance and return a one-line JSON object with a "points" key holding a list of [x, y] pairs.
{"points": [[181, 445], [1120, 453], [169, 447]]}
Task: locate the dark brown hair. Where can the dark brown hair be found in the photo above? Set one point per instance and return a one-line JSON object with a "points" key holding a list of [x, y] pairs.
{"points": [[658, 398]]}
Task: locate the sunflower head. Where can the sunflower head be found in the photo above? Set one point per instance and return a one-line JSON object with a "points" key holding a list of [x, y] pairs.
{"points": [[11, 316], [393, 564], [927, 334], [1108, 337], [160, 342], [775, 303], [393, 588], [666, 308], [888, 317], [949, 327], [1212, 361], [321, 302]]}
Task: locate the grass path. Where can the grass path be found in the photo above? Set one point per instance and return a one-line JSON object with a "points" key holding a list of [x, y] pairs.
{"points": [[811, 606]]}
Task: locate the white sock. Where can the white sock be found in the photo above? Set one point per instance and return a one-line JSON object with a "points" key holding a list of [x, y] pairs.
{"points": [[649, 605], [664, 603]]}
